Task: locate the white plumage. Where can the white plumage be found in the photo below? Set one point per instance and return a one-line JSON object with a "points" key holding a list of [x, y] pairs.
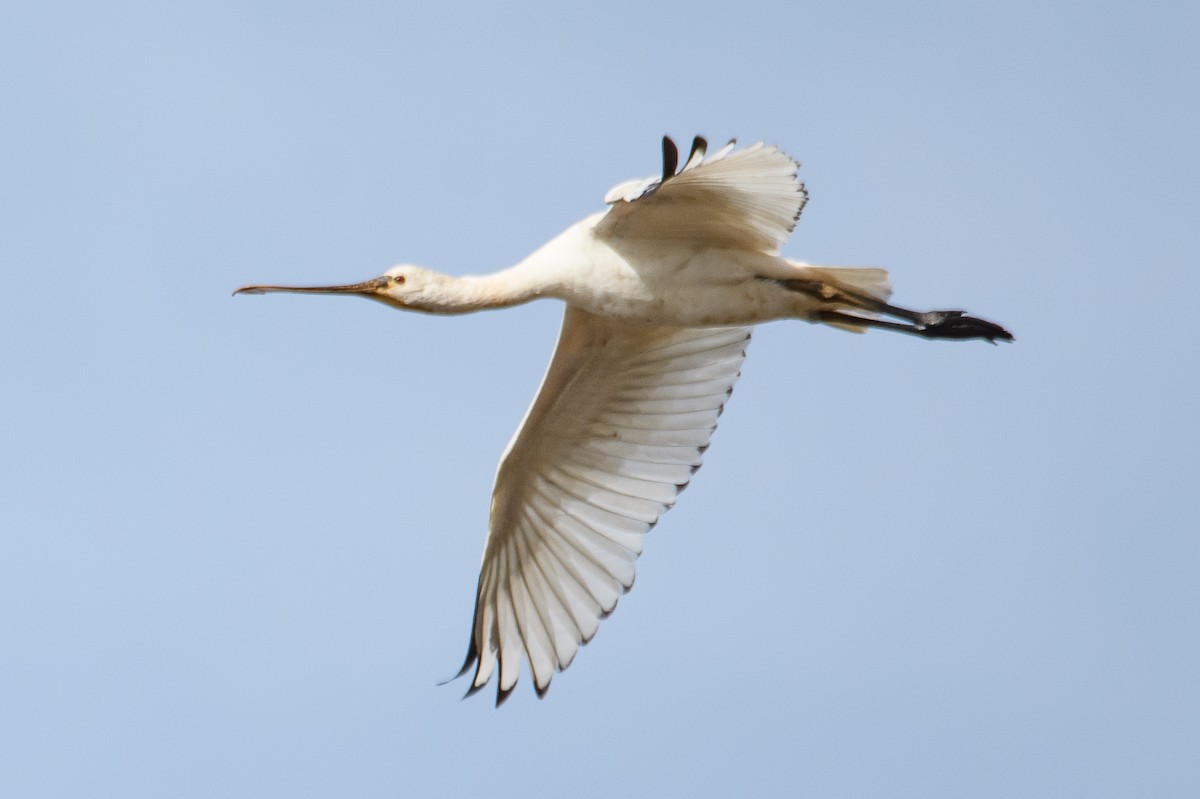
{"points": [[615, 433], [661, 291]]}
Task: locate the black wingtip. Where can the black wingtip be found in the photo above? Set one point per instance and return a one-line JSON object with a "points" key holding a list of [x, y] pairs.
{"points": [[699, 145], [670, 158], [471, 659], [502, 694]]}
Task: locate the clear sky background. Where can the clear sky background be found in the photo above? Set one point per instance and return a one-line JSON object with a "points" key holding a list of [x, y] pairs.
{"points": [[239, 537]]}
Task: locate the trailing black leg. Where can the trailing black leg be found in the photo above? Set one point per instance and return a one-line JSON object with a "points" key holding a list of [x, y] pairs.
{"points": [[927, 324], [930, 324]]}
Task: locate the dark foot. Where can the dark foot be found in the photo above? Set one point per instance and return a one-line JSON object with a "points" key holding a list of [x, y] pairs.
{"points": [[956, 324]]}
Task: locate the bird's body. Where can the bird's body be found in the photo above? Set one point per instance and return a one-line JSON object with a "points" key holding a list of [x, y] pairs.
{"points": [[675, 287], [661, 292]]}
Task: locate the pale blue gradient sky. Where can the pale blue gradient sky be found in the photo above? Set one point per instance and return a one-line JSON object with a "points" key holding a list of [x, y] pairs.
{"points": [[240, 536]]}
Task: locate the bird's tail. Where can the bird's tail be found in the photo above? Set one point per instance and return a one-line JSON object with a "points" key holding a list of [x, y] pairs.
{"points": [[869, 280]]}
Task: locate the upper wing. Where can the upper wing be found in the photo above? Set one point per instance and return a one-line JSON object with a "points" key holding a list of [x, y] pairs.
{"points": [[615, 433], [738, 199]]}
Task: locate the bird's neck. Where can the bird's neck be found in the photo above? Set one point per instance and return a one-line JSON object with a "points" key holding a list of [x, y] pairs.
{"points": [[471, 293]]}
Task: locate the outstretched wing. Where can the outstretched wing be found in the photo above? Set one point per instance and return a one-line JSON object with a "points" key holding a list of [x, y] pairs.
{"points": [[738, 199], [615, 433]]}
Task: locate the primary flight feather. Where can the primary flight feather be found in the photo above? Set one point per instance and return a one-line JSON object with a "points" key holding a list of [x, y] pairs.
{"points": [[661, 290]]}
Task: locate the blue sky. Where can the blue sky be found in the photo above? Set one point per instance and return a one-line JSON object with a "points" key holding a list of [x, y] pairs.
{"points": [[239, 536]]}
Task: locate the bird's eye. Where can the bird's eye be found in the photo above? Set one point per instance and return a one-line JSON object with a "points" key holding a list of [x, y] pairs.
{"points": [[398, 280]]}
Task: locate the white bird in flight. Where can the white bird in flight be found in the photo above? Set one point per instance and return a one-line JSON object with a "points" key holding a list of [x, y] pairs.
{"points": [[662, 290]]}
